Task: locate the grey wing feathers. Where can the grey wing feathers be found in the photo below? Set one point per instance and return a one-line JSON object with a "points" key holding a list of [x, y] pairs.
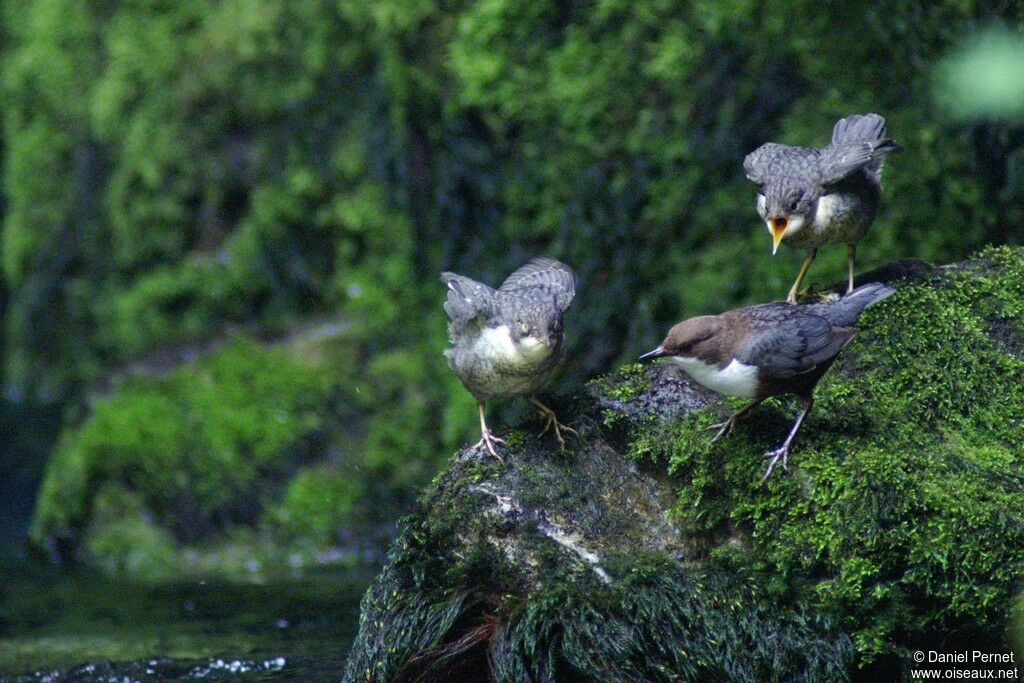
{"points": [[839, 161], [468, 300], [547, 274], [796, 346]]}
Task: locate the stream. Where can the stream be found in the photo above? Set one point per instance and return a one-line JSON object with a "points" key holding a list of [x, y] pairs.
{"points": [[61, 626]]}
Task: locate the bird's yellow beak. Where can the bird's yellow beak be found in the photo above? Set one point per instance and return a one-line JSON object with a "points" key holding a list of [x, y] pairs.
{"points": [[778, 228]]}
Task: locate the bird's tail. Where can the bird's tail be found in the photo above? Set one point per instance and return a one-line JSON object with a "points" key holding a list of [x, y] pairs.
{"points": [[858, 128], [844, 313], [869, 128]]}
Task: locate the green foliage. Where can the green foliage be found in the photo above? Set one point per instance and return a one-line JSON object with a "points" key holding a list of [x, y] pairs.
{"points": [[902, 513], [201, 448], [172, 172], [982, 78], [316, 505], [122, 538]]}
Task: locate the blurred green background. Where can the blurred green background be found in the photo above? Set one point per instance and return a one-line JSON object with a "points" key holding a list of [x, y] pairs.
{"points": [[223, 225]]}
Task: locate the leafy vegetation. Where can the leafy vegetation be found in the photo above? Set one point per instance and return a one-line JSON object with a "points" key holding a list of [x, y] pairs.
{"points": [[173, 173], [201, 448]]}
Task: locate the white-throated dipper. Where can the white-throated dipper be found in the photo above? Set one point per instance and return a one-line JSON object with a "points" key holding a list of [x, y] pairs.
{"points": [[811, 197], [508, 341], [767, 350]]}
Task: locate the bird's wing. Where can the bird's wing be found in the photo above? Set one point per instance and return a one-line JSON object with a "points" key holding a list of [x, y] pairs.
{"points": [[547, 275], [839, 161], [763, 162], [469, 302], [793, 343]]}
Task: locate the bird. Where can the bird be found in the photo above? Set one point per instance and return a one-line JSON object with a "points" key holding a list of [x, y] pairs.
{"points": [[811, 197], [508, 341], [767, 350]]}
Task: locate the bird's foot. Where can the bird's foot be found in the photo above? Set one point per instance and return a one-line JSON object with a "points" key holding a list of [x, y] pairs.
{"points": [[805, 294], [777, 454], [724, 429], [489, 441], [553, 423]]}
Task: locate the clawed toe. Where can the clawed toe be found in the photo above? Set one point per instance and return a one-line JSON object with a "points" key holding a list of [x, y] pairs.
{"points": [[724, 429], [776, 455], [551, 422], [489, 441], [558, 428]]}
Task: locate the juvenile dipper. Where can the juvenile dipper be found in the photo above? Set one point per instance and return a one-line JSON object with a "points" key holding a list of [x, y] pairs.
{"points": [[508, 341], [811, 197], [767, 350]]}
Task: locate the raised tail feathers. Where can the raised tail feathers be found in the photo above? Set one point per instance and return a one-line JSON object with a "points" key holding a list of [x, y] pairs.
{"points": [[863, 136], [858, 128]]}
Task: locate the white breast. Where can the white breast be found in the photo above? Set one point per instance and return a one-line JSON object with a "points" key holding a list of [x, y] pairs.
{"points": [[735, 379], [495, 344], [826, 212]]}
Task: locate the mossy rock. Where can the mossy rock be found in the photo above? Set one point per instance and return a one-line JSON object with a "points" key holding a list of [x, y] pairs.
{"points": [[641, 554], [206, 447]]}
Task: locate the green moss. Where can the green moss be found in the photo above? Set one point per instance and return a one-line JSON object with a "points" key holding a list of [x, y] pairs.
{"points": [[201, 448], [901, 514], [122, 538], [624, 385], [899, 523], [664, 621], [316, 506]]}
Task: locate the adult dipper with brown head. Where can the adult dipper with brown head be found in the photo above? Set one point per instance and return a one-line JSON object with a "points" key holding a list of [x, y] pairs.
{"points": [[508, 341], [767, 350], [811, 197]]}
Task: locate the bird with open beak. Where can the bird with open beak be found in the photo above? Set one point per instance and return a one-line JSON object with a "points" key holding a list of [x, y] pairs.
{"points": [[767, 350], [508, 341], [810, 197]]}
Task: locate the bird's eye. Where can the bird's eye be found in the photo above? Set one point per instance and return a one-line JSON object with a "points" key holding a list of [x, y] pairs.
{"points": [[793, 204]]}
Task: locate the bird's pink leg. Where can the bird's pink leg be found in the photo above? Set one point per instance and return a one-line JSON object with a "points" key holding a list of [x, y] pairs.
{"points": [[782, 452], [488, 439]]}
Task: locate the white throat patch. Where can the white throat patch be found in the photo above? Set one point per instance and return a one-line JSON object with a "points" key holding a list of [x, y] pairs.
{"points": [[735, 379]]}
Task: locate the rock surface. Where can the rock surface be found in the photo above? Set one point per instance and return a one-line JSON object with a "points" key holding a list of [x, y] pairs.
{"points": [[640, 554]]}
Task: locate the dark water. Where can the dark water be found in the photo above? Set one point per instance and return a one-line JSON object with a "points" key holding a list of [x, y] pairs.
{"points": [[61, 626], [58, 626]]}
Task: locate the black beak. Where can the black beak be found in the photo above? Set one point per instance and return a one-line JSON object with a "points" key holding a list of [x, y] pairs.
{"points": [[651, 355]]}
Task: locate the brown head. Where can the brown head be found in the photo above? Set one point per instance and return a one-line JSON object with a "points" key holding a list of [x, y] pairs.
{"points": [[692, 338]]}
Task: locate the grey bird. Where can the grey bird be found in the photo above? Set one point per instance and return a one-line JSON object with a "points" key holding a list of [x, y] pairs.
{"points": [[508, 341], [811, 197], [767, 350]]}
